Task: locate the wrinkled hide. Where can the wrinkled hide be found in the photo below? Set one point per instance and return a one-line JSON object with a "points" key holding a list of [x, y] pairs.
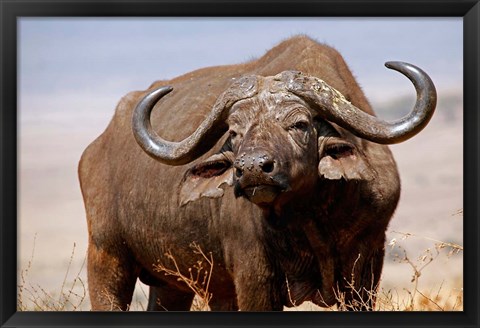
{"points": [[293, 219]]}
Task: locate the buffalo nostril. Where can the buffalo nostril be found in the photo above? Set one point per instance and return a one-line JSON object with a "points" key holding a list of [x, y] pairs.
{"points": [[238, 173], [268, 166]]}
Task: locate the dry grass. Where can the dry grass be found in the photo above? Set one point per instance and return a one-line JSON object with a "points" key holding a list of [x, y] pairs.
{"points": [[416, 299], [72, 293], [407, 299], [198, 279], [70, 297]]}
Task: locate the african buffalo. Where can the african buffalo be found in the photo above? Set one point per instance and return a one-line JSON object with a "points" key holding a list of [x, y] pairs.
{"points": [[277, 167]]}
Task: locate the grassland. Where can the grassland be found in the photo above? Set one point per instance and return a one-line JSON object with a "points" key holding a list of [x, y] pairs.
{"points": [[72, 295]]}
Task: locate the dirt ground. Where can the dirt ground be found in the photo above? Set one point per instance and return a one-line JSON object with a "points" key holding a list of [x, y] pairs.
{"points": [[52, 222]]}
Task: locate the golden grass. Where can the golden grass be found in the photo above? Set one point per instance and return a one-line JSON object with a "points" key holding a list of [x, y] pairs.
{"points": [[444, 297], [70, 297], [198, 279]]}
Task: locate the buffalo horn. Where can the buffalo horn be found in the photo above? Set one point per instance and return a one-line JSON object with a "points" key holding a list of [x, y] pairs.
{"points": [[334, 107], [205, 136]]}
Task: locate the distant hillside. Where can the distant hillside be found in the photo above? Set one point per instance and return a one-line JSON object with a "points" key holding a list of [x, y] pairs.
{"points": [[449, 107]]}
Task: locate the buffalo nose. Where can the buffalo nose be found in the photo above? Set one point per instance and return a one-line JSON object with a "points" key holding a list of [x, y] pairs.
{"points": [[266, 164], [256, 163]]}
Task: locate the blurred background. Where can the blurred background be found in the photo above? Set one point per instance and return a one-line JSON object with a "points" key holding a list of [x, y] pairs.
{"points": [[72, 72]]}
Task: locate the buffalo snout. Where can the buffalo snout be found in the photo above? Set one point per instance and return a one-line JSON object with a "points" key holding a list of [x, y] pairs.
{"points": [[256, 176], [258, 164]]}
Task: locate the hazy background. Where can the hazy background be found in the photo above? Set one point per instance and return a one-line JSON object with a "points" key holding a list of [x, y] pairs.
{"points": [[72, 72]]}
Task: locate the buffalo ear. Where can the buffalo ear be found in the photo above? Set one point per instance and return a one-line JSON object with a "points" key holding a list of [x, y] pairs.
{"points": [[206, 179], [342, 159]]}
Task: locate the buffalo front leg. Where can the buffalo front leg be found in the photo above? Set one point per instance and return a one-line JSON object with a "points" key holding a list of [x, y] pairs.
{"points": [[111, 279], [168, 298], [225, 304], [360, 291], [257, 290], [262, 296]]}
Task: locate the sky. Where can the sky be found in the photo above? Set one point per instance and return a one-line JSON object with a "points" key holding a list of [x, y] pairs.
{"points": [[83, 66]]}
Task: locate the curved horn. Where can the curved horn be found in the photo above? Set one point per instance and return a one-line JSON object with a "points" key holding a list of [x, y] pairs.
{"points": [[205, 136], [335, 108]]}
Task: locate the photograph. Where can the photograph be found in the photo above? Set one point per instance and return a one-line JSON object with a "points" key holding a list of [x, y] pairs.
{"points": [[240, 164]]}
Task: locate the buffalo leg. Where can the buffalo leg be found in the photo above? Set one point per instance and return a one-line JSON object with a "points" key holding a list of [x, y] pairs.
{"points": [[167, 298], [111, 280], [175, 300], [260, 298], [257, 291], [223, 304], [361, 294]]}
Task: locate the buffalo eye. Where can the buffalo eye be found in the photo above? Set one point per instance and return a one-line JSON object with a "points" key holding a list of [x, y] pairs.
{"points": [[300, 125], [234, 134], [233, 138]]}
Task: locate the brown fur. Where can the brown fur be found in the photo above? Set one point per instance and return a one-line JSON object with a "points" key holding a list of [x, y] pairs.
{"points": [[137, 210]]}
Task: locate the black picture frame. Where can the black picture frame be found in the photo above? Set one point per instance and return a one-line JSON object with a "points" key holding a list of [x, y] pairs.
{"points": [[11, 10]]}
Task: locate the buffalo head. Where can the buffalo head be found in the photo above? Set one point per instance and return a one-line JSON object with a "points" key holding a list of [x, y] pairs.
{"points": [[282, 133]]}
